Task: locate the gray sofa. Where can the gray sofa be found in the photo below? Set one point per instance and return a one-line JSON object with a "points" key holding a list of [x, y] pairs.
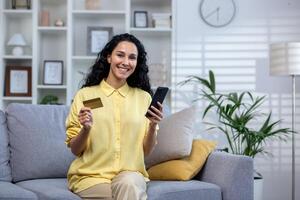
{"points": [[34, 161]]}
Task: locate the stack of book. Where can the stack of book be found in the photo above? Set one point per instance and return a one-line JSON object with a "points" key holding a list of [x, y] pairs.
{"points": [[161, 20]]}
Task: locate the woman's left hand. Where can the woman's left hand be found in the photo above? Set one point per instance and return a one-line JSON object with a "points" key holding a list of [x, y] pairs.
{"points": [[156, 114]]}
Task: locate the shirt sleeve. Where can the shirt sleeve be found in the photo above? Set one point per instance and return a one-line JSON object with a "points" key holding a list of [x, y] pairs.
{"points": [[73, 125]]}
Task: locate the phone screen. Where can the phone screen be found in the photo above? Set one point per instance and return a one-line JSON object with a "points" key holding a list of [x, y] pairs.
{"points": [[158, 96]]}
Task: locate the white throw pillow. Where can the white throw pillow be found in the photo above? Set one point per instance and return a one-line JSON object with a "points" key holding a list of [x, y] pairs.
{"points": [[175, 137]]}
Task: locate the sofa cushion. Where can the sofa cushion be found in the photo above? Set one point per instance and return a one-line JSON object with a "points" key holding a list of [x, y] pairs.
{"points": [[49, 189], [5, 172], [11, 191], [175, 137], [37, 135], [187, 190], [185, 168]]}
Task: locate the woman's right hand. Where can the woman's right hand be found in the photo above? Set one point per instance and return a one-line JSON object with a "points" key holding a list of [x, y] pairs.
{"points": [[86, 118]]}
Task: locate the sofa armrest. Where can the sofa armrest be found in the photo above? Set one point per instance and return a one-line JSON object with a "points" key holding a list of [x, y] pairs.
{"points": [[232, 173]]}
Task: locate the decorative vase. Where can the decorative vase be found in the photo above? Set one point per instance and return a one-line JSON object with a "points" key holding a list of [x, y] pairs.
{"points": [[45, 18]]}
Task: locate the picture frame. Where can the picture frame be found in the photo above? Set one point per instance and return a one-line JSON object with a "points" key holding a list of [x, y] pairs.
{"points": [[97, 37], [21, 4], [53, 72], [18, 81], [140, 19]]}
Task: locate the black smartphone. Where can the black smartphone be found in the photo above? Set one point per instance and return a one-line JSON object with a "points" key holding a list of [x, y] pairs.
{"points": [[158, 96]]}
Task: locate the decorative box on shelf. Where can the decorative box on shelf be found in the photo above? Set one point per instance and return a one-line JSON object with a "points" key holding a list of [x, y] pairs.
{"points": [[161, 20], [92, 4]]}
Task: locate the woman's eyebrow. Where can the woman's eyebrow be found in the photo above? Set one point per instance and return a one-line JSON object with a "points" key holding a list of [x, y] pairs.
{"points": [[133, 54]]}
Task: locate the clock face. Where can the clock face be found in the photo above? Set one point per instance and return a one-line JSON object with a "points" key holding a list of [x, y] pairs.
{"points": [[217, 13]]}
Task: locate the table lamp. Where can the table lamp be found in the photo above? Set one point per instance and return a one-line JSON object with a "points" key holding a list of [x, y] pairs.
{"points": [[17, 41]]}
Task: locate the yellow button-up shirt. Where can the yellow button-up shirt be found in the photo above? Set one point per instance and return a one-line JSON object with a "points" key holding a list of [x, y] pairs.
{"points": [[115, 140]]}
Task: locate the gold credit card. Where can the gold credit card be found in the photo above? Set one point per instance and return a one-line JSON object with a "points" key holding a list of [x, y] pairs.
{"points": [[93, 103]]}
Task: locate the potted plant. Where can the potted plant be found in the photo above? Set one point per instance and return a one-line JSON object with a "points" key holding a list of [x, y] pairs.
{"points": [[50, 99], [236, 114]]}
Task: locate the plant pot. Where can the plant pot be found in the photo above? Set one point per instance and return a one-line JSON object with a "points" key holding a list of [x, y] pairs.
{"points": [[258, 186]]}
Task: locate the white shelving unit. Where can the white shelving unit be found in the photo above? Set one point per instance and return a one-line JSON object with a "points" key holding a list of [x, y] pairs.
{"points": [[69, 42], [14, 21]]}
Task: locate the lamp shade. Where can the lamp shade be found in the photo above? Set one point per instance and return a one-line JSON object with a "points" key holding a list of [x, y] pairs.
{"points": [[17, 40], [285, 58]]}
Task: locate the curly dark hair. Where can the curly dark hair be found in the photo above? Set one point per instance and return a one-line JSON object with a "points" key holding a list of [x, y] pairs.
{"points": [[100, 69]]}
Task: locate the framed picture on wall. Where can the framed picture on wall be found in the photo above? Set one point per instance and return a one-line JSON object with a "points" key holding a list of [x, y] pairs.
{"points": [[53, 72], [140, 19], [97, 37], [17, 81]]}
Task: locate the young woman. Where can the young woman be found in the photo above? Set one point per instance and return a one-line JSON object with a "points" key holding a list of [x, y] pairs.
{"points": [[110, 141]]}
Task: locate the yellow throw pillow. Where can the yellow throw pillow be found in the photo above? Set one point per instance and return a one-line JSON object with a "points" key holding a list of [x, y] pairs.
{"points": [[185, 168]]}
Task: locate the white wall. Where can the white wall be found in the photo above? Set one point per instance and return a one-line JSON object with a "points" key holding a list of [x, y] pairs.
{"points": [[238, 54]]}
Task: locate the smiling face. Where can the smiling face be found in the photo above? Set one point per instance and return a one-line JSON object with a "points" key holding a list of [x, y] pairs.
{"points": [[123, 61]]}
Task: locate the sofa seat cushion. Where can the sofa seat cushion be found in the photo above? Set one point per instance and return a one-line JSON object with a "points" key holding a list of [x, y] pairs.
{"points": [[9, 191], [37, 141], [49, 189], [187, 190], [5, 172]]}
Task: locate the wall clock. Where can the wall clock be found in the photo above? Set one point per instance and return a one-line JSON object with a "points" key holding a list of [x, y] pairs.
{"points": [[217, 13]]}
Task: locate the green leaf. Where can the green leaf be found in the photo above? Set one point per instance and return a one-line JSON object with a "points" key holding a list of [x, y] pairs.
{"points": [[212, 81], [207, 109]]}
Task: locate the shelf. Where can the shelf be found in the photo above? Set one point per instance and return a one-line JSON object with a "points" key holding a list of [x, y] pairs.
{"points": [[99, 12], [51, 29], [5, 98], [11, 57], [61, 87], [151, 30], [17, 12], [84, 57]]}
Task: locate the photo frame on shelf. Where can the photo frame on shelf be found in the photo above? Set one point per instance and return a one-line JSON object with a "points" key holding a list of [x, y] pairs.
{"points": [[21, 4], [97, 37], [18, 81], [140, 19], [53, 72]]}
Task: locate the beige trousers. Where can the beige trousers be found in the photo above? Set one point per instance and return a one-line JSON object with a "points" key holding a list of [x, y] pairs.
{"points": [[126, 185]]}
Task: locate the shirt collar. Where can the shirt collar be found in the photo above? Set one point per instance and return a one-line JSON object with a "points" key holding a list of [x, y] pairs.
{"points": [[109, 90]]}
